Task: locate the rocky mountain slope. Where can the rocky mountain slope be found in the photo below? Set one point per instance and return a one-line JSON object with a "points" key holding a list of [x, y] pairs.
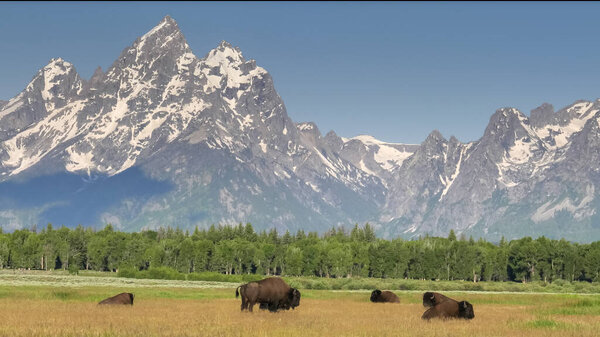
{"points": [[163, 137]]}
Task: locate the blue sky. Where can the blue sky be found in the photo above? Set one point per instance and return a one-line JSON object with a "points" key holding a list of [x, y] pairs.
{"points": [[392, 70]]}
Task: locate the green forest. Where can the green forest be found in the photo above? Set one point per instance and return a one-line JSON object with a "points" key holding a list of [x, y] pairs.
{"points": [[338, 253]]}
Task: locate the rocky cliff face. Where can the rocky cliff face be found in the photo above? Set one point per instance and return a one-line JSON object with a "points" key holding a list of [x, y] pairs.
{"points": [[525, 176], [213, 127]]}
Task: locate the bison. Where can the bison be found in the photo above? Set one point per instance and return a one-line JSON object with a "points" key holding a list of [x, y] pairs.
{"points": [[431, 299], [122, 298], [450, 309], [272, 291], [379, 296], [445, 307]]}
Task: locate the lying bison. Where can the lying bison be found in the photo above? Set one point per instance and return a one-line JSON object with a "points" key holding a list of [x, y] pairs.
{"points": [[450, 309], [379, 296], [122, 298], [431, 299], [272, 291], [445, 307]]}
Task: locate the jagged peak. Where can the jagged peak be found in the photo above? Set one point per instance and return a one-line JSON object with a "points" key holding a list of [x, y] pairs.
{"points": [[58, 62], [544, 108], [509, 111], [167, 24], [96, 78], [307, 126], [331, 134], [98, 72], [163, 37], [168, 19], [507, 116], [224, 54], [435, 135], [434, 142], [55, 67], [224, 45], [540, 115]]}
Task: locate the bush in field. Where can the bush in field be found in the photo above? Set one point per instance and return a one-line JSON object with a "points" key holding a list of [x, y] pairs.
{"points": [[73, 269], [128, 272], [160, 273]]}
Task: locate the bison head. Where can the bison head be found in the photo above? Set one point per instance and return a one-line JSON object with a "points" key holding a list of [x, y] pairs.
{"points": [[429, 299], [465, 310], [375, 295], [294, 297]]}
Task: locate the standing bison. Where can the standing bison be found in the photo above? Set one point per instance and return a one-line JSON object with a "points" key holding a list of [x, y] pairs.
{"points": [[378, 296], [445, 307], [122, 298], [272, 291]]}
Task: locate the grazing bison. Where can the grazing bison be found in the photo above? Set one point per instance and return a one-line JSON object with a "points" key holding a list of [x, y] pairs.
{"points": [[431, 299], [265, 306], [122, 298], [379, 296], [450, 309], [272, 291]]}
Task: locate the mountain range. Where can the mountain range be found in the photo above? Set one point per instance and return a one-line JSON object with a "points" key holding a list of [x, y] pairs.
{"points": [[166, 138]]}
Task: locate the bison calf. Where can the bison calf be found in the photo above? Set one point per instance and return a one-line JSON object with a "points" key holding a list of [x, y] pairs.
{"points": [[122, 298], [379, 296], [450, 309]]}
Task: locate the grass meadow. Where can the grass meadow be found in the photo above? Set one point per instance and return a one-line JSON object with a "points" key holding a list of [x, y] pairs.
{"points": [[51, 306]]}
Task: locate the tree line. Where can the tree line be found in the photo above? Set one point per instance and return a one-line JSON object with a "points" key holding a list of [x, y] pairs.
{"points": [[337, 253]]}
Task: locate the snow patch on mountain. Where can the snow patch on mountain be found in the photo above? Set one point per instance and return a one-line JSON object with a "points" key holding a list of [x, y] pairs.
{"points": [[12, 105], [57, 127], [448, 181], [578, 210], [556, 136], [388, 155]]}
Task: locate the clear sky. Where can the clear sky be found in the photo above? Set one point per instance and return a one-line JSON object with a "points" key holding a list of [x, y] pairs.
{"points": [[394, 70]]}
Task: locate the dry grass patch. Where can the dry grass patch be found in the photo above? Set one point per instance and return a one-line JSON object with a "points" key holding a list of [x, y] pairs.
{"points": [[315, 317]]}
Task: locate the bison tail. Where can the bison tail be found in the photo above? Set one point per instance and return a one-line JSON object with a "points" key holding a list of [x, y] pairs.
{"points": [[237, 294]]}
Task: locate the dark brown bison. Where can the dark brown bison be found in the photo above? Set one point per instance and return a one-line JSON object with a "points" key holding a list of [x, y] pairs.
{"points": [[385, 296], [122, 298], [272, 291], [431, 299], [450, 309]]}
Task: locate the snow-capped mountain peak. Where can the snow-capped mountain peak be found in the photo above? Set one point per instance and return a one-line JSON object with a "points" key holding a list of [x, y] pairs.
{"points": [[217, 134], [225, 67], [60, 81], [224, 54], [164, 35]]}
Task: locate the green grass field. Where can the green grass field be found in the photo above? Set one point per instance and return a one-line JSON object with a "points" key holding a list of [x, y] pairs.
{"points": [[52, 304]]}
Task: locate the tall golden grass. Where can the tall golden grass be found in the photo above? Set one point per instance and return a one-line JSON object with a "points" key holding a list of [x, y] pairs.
{"points": [[352, 316]]}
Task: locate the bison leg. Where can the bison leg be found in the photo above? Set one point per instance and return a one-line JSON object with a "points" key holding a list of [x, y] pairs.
{"points": [[273, 307], [251, 305], [428, 314]]}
